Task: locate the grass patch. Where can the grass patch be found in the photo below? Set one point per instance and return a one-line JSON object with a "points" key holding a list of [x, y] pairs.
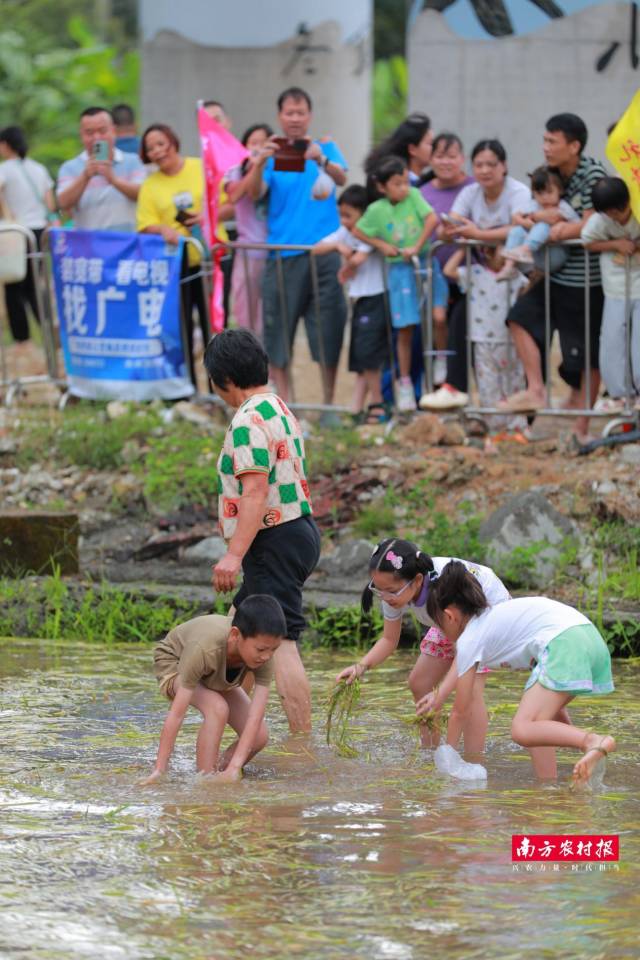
{"points": [[179, 468], [343, 627], [332, 451], [54, 609], [376, 520], [82, 436]]}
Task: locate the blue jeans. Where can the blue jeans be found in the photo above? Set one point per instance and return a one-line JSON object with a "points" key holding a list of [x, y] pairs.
{"points": [[535, 239]]}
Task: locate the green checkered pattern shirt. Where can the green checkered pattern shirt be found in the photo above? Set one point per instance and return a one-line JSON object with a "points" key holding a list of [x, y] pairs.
{"points": [[263, 437]]}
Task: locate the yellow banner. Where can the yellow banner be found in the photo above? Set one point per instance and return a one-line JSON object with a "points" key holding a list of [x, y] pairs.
{"points": [[623, 150]]}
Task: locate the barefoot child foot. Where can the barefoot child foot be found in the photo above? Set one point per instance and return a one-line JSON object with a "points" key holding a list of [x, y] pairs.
{"points": [[568, 655], [202, 663], [597, 749]]}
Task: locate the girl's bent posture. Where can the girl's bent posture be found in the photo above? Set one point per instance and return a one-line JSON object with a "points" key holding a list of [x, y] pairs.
{"points": [[403, 576], [568, 656], [202, 663]]}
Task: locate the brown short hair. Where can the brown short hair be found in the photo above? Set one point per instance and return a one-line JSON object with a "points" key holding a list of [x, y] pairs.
{"points": [[161, 128]]}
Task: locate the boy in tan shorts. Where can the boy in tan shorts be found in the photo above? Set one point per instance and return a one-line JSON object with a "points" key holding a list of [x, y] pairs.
{"points": [[202, 663]]}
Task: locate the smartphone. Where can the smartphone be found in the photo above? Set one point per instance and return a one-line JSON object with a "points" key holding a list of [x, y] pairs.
{"points": [[101, 151], [183, 215], [290, 154], [449, 219]]}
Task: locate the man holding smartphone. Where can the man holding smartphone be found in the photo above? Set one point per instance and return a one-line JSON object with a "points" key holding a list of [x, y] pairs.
{"points": [[100, 186], [289, 169]]}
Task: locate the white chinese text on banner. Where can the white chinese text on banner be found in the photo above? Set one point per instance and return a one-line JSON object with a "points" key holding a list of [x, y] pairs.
{"points": [[118, 300]]}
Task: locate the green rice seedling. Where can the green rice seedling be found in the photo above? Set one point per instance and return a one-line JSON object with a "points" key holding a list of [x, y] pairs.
{"points": [[342, 702]]}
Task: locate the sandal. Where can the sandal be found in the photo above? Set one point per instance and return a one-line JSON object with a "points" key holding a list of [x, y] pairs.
{"points": [[375, 413]]}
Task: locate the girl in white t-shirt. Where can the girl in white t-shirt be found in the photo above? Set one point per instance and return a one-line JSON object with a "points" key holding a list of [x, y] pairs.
{"points": [[403, 576], [566, 652]]}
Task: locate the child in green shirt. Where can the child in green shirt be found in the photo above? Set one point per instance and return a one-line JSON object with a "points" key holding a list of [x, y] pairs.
{"points": [[398, 225], [202, 663]]}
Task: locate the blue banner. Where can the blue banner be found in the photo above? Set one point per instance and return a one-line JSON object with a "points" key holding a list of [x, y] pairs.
{"points": [[118, 298]]}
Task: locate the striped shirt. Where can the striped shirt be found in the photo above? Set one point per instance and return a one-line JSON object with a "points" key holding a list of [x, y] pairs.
{"points": [[577, 193]]}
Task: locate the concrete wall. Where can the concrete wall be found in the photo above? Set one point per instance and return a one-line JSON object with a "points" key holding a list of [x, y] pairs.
{"points": [[177, 71], [508, 87]]}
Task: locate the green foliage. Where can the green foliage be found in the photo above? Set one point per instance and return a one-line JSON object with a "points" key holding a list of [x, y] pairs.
{"points": [[84, 436], [343, 627], [390, 92], [389, 26], [51, 609], [517, 568], [376, 520], [44, 87], [330, 451], [179, 468], [437, 532]]}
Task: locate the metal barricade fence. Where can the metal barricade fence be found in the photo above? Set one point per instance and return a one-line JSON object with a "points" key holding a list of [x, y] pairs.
{"points": [[243, 249], [13, 385], [49, 323], [628, 412]]}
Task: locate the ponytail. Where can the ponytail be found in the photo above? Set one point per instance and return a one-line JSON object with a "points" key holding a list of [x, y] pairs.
{"points": [[456, 586], [403, 559]]}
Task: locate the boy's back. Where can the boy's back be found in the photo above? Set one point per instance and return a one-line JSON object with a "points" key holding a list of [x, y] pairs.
{"points": [[601, 227]]}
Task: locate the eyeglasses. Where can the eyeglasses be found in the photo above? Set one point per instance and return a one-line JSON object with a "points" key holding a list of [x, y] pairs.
{"points": [[389, 593]]}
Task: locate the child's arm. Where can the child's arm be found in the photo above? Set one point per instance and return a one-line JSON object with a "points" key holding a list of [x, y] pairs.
{"points": [[429, 225], [436, 699], [621, 245], [461, 706], [386, 249], [324, 246], [244, 746], [169, 733], [382, 649], [523, 220], [452, 265]]}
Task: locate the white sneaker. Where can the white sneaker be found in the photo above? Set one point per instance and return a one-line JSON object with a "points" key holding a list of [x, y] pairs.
{"points": [[446, 398], [405, 397], [439, 370], [609, 405]]}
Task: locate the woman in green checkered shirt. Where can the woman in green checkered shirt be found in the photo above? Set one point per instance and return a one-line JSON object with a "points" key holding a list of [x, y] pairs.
{"points": [[264, 505]]}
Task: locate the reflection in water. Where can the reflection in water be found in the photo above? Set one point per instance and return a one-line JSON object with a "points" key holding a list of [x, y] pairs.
{"points": [[311, 855]]}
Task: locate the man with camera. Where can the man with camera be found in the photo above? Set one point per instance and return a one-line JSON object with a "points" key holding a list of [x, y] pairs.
{"points": [[100, 186], [300, 176]]}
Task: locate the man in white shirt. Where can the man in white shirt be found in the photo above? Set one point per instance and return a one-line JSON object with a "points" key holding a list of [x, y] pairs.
{"points": [[100, 186]]}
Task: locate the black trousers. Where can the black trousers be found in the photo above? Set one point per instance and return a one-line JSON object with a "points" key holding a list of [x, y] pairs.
{"points": [[20, 295], [192, 294], [457, 341]]}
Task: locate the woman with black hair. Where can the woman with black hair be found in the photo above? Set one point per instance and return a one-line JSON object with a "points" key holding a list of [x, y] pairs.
{"points": [[264, 503], [411, 141], [568, 656], [402, 576]]}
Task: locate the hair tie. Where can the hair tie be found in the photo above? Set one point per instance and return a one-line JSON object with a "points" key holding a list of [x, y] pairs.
{"points": [[394, 559]]}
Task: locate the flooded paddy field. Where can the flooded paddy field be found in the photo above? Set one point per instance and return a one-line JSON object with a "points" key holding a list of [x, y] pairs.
{"points": [[311, 855]]}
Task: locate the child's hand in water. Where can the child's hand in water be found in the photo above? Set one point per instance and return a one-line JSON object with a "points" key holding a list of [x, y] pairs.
{"points": [[152, 778], [427, 704], [349, 674]]}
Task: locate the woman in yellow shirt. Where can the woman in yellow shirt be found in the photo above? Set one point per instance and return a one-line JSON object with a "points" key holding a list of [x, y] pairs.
{"points": [[170, 203]]}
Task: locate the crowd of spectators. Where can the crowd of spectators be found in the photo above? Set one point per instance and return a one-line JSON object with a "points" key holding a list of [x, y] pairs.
{"points": [[367, 247]]}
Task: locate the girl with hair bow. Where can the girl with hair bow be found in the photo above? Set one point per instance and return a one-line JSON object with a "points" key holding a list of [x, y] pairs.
{"points": [[400, 575]]}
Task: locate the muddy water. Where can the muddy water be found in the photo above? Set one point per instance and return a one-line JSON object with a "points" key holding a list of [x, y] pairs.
{"points": [[311, 855]]}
